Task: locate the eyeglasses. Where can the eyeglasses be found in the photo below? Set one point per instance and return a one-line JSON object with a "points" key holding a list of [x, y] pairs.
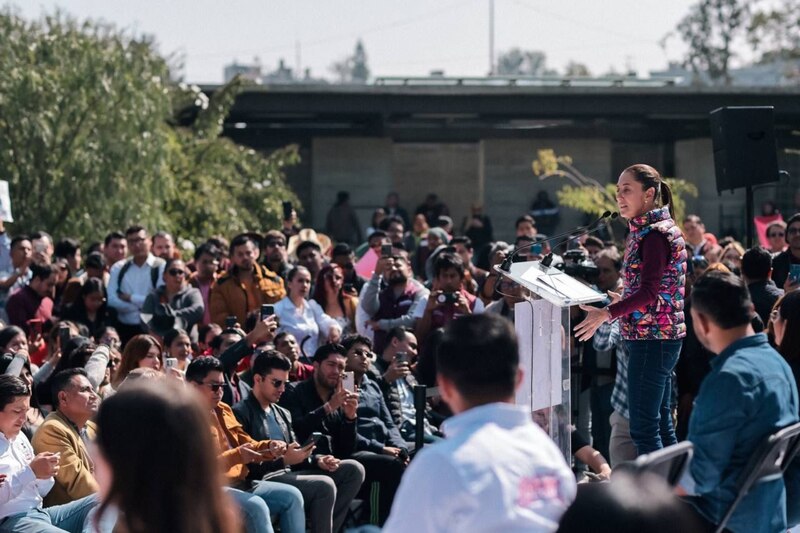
{"points": [[278, 383], [773, 235], [176, 272], [215, 387]]}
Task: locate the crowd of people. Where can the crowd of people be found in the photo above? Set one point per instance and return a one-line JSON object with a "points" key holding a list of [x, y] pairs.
{"points": [[269, 379]]}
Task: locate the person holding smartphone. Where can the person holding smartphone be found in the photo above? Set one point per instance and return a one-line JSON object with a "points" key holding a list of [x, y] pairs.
{"points": [[328, 484], [650, 309]]}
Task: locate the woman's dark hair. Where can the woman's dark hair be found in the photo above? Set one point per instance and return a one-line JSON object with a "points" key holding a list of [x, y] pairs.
{"points": [[92, 286], [171, 335], [177, 485], [7, 334], [293, 273], [320, 294], [135, 350], [789, 309], [651, 179], [11, 387]]}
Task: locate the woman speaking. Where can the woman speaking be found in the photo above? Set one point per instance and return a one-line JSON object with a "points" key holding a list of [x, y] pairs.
{"points": [[650, 310]]}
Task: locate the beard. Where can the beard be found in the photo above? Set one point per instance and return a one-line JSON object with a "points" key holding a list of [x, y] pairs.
{"points": [[398, 278]]}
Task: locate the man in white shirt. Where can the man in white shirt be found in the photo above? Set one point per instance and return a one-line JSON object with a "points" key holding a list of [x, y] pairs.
{"points": [[131, 280], [29, 477], [496, 470]]}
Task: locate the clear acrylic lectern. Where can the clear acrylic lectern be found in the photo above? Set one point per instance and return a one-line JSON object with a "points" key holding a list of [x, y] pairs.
{"points": [[543, 326]]}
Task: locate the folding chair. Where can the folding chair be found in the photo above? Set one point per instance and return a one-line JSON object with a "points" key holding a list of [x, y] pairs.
{"points": [[768, 463], [668, 463]]}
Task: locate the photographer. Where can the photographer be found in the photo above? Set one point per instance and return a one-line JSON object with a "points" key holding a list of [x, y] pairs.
{"points": [[448, 298]]}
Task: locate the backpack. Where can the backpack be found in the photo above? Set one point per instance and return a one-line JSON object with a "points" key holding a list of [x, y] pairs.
{"points": [[153, 272]]}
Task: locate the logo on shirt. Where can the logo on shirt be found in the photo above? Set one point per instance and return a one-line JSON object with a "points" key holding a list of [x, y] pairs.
{"points": [[537, 490]]}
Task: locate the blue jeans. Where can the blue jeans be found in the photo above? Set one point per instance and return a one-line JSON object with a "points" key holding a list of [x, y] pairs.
{"points": [[650, 366], [70, 517], [254, 511], [283, 500]]}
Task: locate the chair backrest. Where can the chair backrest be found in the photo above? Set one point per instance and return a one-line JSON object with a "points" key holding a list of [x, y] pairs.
{"points": [[668, 463], [768, 463]]}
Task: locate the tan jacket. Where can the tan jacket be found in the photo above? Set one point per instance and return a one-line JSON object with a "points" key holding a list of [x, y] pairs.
{"points": [[75, 478], [230, 297]]}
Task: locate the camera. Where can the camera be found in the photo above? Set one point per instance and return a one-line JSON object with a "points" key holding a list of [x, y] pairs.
{"points": [[447, 298], [578, 265]]}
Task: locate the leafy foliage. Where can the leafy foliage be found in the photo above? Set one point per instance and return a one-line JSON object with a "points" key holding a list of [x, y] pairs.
{"points": [[588, 195], [89, 139]]}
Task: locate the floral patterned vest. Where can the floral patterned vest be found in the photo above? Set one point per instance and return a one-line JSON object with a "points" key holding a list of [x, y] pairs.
{"points": [[663, 319]]}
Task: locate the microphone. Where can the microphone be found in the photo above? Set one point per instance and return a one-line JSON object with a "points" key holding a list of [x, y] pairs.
{"points": [[575, 232]]}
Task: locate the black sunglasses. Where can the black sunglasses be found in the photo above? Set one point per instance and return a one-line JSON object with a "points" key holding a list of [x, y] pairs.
{"points": [[176, 272]]}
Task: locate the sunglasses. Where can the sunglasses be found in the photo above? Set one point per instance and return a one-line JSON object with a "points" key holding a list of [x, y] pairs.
{"points": [[278, 383], [215, 387], [176, 272]]}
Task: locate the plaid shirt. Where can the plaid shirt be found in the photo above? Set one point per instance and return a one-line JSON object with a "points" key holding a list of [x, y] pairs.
{"points": [[607, 337]]}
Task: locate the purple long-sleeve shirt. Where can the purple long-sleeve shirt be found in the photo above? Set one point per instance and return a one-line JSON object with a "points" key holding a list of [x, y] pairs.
{"points": [[655, 253]]}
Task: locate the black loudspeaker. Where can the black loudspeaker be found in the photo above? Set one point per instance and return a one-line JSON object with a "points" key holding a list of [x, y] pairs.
{"points": [[745, 153]]}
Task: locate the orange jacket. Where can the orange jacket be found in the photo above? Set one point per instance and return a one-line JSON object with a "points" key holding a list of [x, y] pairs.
{"points": [[230, 297], [233, 435]]}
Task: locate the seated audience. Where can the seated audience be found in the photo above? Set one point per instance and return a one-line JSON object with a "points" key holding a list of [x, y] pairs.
{"points": [[328, 484], [749, 394], [175, 298], [237, 449], [29, 476], [67, 432]]}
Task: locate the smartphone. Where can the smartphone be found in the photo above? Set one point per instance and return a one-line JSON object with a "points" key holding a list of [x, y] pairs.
{"points": [[348, 287], [35, 327], [267, 310], [314, 439], [230, 322], [386, 250], [447, 298], [401, 357], [287, 210], [64, 335], [16, 364], [170, 362], [794, 273], [536, 249], [349, 381]]}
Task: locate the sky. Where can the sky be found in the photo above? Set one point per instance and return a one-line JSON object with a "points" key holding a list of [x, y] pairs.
{"points": [[401, 38]]}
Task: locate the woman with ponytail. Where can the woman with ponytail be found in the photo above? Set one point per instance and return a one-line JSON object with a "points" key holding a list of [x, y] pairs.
{"points": [[650, 309]]}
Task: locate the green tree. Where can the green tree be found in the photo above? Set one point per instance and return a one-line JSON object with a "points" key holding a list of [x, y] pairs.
{"points": [[90, 141], [589, 195], [711, 32], [576, 70], [774, 31]]}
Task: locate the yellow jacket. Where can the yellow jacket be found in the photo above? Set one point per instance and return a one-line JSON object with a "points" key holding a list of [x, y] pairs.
{"points": [[75, 477]]}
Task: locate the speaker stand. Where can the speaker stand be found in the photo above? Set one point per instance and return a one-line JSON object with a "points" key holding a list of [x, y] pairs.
{"points": [[750, 214]]}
